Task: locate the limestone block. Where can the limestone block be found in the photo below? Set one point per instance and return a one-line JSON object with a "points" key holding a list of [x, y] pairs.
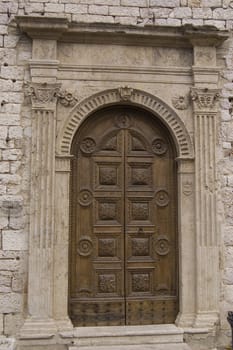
{"points": [[228, 276], [182, 12], [202, 13], [12, 324], [2, 189], [4, 19], [92, 18], [139, 3], [161, 12], [228, 293], [5, 278], [9, 6], [7, 343], [12, 154], [227, 3], [14, 240], [229, 257], [15, 132], [230, 180], [4, 167], [226, 145], [17, 282], [195, 22], [10, 41], [34, 7], [106, 2], [194, 3], [126, 20], [15, 166], [3, 132], [218, 24], [10, 302], [10, 119], [3, 220], [1, 323], [12, 72], [98, 10], [211, 3], [58, 8], [165, 3], [75, 8], [9, 265], [3, 29], [173, 22], [123, 11], [223, 14]]}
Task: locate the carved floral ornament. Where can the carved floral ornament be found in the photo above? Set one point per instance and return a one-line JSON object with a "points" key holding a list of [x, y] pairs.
{"points": [[180, 102], [204, 98], [49, 94]]}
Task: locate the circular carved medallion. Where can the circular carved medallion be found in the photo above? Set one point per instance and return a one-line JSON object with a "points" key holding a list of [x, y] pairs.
{"points": [[88, 145], [159, 146], [162, 245], [123, 121], [162, 198], [85, 197], [85, 246]]}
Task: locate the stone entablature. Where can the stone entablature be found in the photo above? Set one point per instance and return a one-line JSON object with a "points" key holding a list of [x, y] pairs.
{"points": [[54, 126]]}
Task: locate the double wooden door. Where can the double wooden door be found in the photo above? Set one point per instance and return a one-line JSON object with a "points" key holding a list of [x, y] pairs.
{"points": [[123, 246]]}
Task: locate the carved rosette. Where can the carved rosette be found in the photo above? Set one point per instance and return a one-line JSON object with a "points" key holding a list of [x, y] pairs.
{"points": [[66, 98], [180, 102], [205, 99], [85, 246]]}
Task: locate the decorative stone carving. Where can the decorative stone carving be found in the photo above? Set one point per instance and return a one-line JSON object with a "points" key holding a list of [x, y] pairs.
{"points": [[187, 188], [159, 146], [107, 283], [138, 98], [49, 93], [85, 246], [125, 93], [42, 94], [66, 98], [88, 145], [141, 282], [180, 102], [204, 98], [85, 197]]}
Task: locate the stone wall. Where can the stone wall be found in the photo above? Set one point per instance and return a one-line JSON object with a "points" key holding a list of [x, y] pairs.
{"points": [[15, 128]]}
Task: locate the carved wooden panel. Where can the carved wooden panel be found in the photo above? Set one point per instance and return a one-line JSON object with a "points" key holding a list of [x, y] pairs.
{"points": [[123, 245]]}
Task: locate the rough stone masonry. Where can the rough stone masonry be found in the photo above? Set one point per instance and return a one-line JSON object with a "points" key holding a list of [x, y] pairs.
{"points": [[16, 132]]}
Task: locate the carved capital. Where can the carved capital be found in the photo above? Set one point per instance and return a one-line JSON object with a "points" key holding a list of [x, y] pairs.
{"points": [[46, 95], [125, 93], [180, 102], [205, 99], [43, 95]]}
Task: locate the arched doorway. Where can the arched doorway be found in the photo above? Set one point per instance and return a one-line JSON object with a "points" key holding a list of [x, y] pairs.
{"points": [[123, 241]]}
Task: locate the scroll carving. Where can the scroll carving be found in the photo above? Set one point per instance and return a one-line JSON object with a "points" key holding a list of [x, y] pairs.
{"points": [[66, 98]]}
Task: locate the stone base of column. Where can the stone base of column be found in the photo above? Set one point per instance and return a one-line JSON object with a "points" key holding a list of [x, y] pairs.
{"points": [[38, 328], [206, 319], [64, 325], [185, 319]]}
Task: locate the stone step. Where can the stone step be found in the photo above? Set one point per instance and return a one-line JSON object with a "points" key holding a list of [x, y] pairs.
{"points": [[168, 346], [128, 338]]}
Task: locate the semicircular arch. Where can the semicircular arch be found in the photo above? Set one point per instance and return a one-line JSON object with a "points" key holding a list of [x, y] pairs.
{"points": [[137, 98]]}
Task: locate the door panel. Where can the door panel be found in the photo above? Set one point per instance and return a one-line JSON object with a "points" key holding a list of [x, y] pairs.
{"points": [[123, 249]]}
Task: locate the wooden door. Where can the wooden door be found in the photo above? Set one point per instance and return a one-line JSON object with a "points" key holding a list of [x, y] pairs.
{"points": [[123, 242]]}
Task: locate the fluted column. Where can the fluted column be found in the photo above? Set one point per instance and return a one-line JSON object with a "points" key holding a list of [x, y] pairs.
{"points": [[207, 243], [41, 241]]}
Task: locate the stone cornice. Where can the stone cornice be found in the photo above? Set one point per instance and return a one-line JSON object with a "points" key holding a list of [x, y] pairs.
{"points": [[60, 28]]}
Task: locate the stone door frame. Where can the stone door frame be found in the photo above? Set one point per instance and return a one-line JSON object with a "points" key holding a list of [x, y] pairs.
{"points": [[50, 171]]}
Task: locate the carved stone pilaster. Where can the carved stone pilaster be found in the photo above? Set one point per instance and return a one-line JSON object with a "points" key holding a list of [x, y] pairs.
{"points": [[205, 111], [41, 245]]}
